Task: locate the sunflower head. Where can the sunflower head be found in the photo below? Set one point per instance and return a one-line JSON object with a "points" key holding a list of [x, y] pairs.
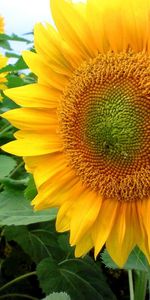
{"points": [[104, 124], [84, 127]]}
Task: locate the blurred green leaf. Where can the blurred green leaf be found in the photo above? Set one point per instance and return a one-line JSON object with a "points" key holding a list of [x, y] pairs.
{"points": [[7, 164], [16, 210], [80, 278], [19, 65], [6, 105], [5, 44], [12, 54], [57, 296], [14, 80], [136, 261], [13, 37]]}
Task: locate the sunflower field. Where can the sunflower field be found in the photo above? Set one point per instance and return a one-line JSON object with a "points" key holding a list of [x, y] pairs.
{"points": [[75, 154]]}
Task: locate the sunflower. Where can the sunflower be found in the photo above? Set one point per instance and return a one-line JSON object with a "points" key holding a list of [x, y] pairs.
{"points": [[1, 24], [84, 128]]}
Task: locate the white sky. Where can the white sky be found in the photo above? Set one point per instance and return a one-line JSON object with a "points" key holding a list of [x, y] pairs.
{"points": [[21, 15]]}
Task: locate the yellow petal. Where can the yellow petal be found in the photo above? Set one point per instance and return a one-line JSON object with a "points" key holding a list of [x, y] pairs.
{"points": [[48, 44], [96, 22], [70, 54], [32, 162], [67, 208], [135, 17], [1, 24], [45, 74], [143, 232], [33, 119], [64, 216], [84, 215], [34, 95], [121, 240], [50, 194], [46, 166], [73, 27], [118, 25], [31, 143], [103, 225], [113, 24], [3, 61], [84, 245]]}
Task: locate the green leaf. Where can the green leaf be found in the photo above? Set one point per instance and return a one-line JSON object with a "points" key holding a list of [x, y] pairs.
{"points": [[63, 242], [36, 243], [4, 106], [81, 279], [16, 210], [5, 44], [57, 296], [31, 191], [19, 65], [14, 183], [107, 260], [12, 54], [13, 37], [7, 164], [14, 80], [136, 261]]}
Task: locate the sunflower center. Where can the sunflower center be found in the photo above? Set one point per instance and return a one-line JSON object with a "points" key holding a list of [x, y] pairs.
{"points": [[112, 126], [104, 123]]}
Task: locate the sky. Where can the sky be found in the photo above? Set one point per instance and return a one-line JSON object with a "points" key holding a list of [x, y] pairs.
{"points": [[21, 15]]}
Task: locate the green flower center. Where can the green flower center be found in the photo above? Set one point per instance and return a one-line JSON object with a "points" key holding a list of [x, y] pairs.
{"points": [[113, 126]]}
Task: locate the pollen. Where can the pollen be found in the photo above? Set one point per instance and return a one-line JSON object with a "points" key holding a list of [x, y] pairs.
{"points": [[105, 125]]}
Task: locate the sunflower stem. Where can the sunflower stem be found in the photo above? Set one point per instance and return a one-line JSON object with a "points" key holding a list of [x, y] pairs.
{"points": [[8, 284], [148, 288], [12, 173], [6, 296], [131, 289], [141, 281]]}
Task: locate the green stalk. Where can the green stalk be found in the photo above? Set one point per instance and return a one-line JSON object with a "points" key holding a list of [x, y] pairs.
{"points": [[141, 280], [8, 284], [131, 289], [12, 174], [18, 295]]}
